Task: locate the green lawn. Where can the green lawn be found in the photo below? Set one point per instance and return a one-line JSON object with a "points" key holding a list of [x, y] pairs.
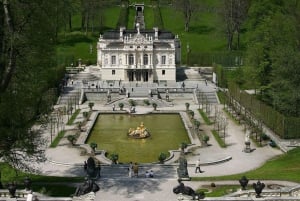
{"points": [[204, 39], [77, 45], [285, 167]]}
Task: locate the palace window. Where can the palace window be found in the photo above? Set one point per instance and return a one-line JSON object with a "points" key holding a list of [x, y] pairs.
{"points": [[131, 59], [113, 72], [113, 60], [145, 59], [163, 72], [163, 59]]}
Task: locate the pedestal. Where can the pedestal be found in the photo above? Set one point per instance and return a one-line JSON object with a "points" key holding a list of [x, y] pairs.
{"points": [[247, 147]]}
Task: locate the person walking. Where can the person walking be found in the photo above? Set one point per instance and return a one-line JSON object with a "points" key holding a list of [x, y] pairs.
{"points": [[136, 170], [198, 169], [130, 169]]}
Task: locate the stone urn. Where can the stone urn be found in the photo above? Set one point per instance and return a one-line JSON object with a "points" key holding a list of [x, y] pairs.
{"points": [[27, 183], [12, 187], [258, 187], [244, 182]]}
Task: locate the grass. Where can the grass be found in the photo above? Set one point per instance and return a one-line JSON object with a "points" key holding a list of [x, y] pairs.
{"points": [[203, 38], [56, 141], [75, 46], [73, 117], [218, 139], [10, 174], [221, 96], [204, 117], [54, 190], [219, 190], [52, 186], [231, 116], [285, 167]]}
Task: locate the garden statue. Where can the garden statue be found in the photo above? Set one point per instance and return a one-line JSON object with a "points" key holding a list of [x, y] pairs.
{"points": [[247, 143], [27, 183], [88, 186], [182, 170], [258, 187], [12, 187], [139, 133], [91, 169], [244, 182], [186, 190], [108, 96]]}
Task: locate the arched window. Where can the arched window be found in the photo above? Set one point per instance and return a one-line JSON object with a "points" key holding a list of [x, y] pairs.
{"points": [[131, 59], [145, 59]]}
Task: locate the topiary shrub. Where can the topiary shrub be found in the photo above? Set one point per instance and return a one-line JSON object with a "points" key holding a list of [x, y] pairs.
{"points": [[93, 146], [146, 102], [71, 139], [205, 138], [154, 105], [121, 106], [131, 102], [114, 157], [162, 157]]}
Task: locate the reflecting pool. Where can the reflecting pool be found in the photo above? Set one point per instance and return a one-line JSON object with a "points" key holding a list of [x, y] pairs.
{"points": [[110, 133]]}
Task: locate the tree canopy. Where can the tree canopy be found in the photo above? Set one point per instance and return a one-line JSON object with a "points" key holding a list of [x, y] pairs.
{"points": [[27, 61]]}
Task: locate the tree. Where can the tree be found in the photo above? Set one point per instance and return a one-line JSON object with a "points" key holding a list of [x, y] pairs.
{"points": [[154, 105], [234, 13], [26, 70], [273, 53], [71, 139], [205, 138], [93, 146], [91, 105], [121, 105], [65, 9], [162, 157], [114, 157], [91, 10], [188, 9]]}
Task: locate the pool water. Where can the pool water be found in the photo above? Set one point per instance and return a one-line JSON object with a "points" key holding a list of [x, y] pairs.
{"points": [[110, 133]]}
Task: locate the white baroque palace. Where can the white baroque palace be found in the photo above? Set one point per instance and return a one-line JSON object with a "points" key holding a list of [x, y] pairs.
{"points": [[138, 55]]}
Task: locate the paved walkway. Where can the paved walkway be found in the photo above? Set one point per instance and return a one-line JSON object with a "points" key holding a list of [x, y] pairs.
{"points": [[115, 185]]}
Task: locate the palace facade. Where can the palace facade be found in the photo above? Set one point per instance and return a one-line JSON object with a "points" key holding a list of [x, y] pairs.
{"points": [[138, 55]]}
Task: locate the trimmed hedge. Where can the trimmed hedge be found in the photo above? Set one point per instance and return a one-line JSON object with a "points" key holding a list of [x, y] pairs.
{"points": [[284, 127]]}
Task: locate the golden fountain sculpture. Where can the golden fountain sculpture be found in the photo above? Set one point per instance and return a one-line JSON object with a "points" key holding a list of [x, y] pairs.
{"points": [[139, 133]]}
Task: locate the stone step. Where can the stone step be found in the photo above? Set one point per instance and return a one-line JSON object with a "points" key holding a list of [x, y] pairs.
{"points": [[121, 171]]}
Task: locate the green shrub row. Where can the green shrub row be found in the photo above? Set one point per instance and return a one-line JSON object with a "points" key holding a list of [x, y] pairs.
{"points": [[285, 127], [57, 139], [227, 59], [73, 117], [218, 139]]}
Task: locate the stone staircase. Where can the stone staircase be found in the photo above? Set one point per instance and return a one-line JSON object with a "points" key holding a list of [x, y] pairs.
{"points": [[121, 171], [210, 97], [70, 95], [138, 92]]}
